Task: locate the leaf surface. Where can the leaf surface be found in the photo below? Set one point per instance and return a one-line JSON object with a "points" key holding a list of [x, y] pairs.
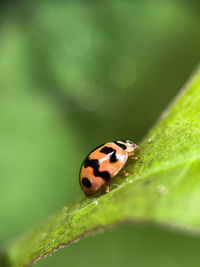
{"points": [[163, 186]]}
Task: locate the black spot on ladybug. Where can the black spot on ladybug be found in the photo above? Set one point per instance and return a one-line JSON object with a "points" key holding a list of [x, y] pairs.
{"points": [[86, 182], [107, 150], [87, 162], [113, 158], [94, 163], [120, 145], [111, 151]]}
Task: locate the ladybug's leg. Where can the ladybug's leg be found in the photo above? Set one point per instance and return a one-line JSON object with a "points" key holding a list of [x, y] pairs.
{"points": [[132, 155], [107, 188], [125, 172]]}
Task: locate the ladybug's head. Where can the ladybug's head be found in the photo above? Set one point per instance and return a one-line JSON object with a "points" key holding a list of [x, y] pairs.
{"points": [[129, 146]]}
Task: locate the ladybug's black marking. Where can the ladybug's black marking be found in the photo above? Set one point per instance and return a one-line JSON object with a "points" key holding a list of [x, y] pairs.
{"points": [[107, 150], [111, 151], [86, 182], [94, 163], [113, 158], [120, 145]]}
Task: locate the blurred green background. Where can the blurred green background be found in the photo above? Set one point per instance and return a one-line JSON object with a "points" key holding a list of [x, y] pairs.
{"points": [[74, 74]]}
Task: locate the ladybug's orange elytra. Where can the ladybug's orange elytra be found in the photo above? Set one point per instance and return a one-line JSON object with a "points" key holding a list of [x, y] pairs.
{"points": [[104, 163]]}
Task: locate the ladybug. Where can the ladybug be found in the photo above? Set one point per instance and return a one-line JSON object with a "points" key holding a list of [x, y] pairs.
{"points": [[104, 163]]}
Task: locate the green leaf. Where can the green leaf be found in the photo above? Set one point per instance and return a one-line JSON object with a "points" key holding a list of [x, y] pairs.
{"points": [[163, 187]]}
